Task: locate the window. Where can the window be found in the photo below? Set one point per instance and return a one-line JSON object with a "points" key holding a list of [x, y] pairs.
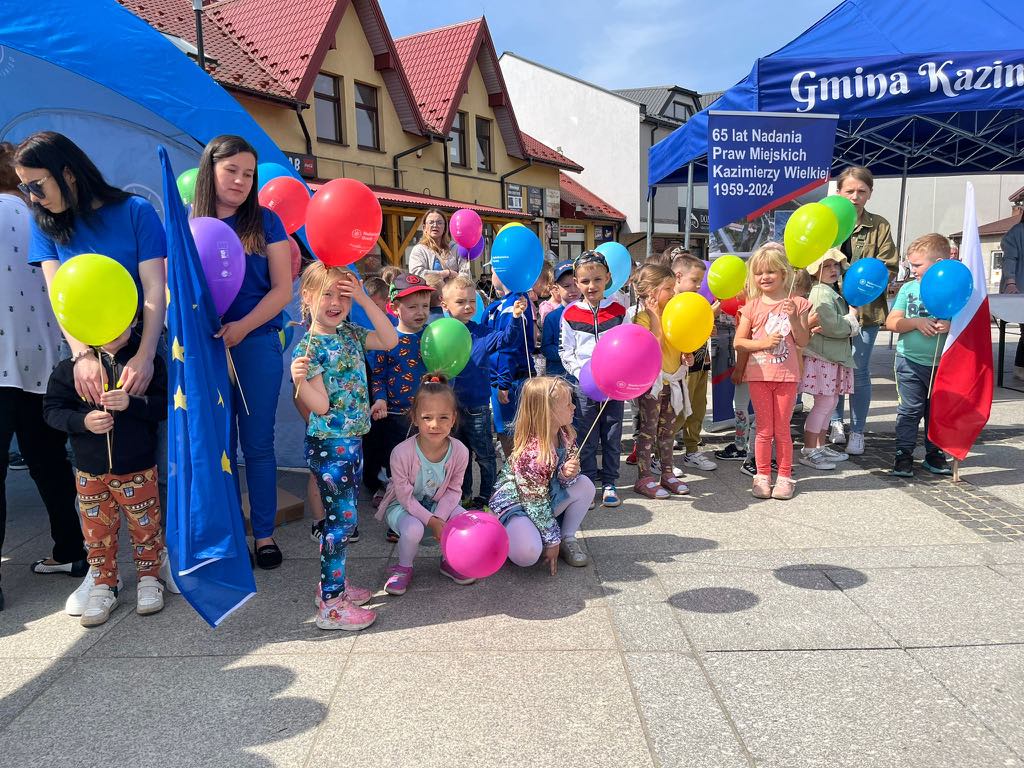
{"points": [[367, 117], [483, 144], [457, 145], [327, 107], [681, 111]]}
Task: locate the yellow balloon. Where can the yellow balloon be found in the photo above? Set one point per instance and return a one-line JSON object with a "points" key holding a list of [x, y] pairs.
{"points": [[688, 321], [510, 224], [94, 298], [810, 232]]}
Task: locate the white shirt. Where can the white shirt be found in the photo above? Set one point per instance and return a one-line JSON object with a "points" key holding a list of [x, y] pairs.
{"points": [[29, 334]]}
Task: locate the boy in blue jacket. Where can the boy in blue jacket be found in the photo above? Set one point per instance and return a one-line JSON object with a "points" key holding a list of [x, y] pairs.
{"points": [[566, 291], [473, 385], [512, 364]]}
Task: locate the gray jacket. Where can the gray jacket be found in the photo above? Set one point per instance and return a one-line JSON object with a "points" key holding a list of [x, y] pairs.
{"points": [[1013, 257], [422, 260]]}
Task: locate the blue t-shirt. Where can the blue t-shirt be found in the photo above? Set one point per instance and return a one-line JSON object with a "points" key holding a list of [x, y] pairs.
{"points": [[914, 345], [256, 283], [339, 359], [395, 373], [129, 232]]}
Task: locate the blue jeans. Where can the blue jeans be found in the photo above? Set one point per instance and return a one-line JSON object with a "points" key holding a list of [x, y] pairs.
{"points": [[607, 433], [475, 432], [336, 463], [259, 367], [912, 383], [860, 400], [508, 410]]}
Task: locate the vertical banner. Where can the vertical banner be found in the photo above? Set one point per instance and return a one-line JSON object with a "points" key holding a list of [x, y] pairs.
{"points": [[759, 160]]}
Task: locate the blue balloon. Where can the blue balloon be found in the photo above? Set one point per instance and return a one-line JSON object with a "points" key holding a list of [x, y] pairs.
{"points": [[946, 288], [478, 316], [517, 258], [619, 264], [287, 332], [267, 171], [865, 281]]}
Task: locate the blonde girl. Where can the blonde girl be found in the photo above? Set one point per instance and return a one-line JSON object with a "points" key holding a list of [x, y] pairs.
{"points": [[654, 285], [329, 371], [772, 327], [426, 480], [540, 496]]}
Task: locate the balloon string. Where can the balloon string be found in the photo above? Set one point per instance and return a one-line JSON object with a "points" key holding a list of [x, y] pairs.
{"points": [[110, 432], [526, 346], [312, 320], [238, 382], [596, 419]]}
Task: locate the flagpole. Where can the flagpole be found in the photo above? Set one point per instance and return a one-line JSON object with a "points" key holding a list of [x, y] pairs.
{"points": [[935, 358], [238, 381]]}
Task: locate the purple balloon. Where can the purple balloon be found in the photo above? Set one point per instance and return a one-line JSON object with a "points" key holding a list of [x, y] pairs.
{"points": [[704, 290], [471, 253], [223, 259], [589, 387]]}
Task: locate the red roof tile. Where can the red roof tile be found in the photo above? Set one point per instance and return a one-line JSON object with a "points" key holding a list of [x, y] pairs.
{"points": [[591, 206], [418, 200], [437, 64], [545, 154]]}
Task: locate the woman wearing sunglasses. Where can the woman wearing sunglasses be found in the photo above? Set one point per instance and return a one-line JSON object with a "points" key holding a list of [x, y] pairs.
{"points": [[74, 210]]}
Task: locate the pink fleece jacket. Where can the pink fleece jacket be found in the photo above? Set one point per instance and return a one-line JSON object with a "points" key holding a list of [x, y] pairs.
{"points": [[405, 465]]}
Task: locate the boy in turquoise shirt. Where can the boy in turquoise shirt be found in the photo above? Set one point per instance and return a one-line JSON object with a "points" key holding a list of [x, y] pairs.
{"points": [[916, 356]]}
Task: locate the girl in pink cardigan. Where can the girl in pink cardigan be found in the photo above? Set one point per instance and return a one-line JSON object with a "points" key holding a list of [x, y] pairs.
{"points": [[426, 480]]}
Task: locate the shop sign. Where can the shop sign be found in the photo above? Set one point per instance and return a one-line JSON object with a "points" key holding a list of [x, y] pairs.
{"points": [[552, 203], [535, 201], [304, 165], [514, 197]]}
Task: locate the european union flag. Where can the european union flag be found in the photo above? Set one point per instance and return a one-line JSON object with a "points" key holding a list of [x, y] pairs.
{"points": [[205, 535]]}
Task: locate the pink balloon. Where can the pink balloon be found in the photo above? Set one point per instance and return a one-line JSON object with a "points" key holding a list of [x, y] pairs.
{"points": [[466, 227], [475, 544], [626, 361]]}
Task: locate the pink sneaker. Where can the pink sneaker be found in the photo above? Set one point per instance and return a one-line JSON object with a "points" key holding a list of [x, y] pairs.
{"points": [[398, 581], [342, 614], [357, 595], [451, 573]]}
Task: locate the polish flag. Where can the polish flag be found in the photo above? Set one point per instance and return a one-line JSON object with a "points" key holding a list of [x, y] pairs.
{"points": [[961, 399]]}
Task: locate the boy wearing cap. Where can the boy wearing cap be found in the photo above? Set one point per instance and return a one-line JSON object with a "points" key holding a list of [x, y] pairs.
{"points": [[394, 376], [473, 385], [564, 292]]}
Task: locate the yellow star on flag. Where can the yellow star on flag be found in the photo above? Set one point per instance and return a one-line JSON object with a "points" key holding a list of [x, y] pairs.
{"points": [[179, 399], [177, 351], [220, 399], [224, 463]]}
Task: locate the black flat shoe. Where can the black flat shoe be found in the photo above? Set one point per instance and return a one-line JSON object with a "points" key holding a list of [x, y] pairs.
{"points": [[76, 568], [269, 557]]}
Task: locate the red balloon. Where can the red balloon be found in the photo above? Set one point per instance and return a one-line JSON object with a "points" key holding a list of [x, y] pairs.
{"points": [[288, 198], [343, 222], [296, 258], [731, 306]]}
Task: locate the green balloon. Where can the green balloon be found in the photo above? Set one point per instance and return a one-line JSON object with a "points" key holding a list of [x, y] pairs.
{"points": [[187, 185], [445, 346], [727, 276], [846, 215]]}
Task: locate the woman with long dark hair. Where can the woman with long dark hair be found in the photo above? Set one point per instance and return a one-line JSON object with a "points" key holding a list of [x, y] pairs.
{"points": [[227, 188]]}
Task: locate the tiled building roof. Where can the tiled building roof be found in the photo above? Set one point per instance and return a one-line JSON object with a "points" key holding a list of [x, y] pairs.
{"points": [[591, 206], [545, 154]]}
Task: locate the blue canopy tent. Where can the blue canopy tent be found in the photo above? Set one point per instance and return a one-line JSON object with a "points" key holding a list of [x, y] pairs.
{"points": [[97, 73], [924, 88]]}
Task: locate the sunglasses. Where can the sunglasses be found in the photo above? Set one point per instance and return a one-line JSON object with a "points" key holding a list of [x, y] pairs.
{"points": [[589, 257], [34, 188]]}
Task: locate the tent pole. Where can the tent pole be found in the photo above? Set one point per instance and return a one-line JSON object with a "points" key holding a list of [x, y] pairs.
{"points": [[689, 204], [651, 191], [903, 202]]}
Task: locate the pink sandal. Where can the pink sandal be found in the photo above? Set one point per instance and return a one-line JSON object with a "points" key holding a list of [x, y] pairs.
{"points": [[651, 488], [674, 485]]}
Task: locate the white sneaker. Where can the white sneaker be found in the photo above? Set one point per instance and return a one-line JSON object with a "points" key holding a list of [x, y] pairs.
{"points": [[699, 461], [856, 445], [831, 455], [149, 596], [836, 434], [102, 600], [166, 576], [79, 599], [815, 459]]}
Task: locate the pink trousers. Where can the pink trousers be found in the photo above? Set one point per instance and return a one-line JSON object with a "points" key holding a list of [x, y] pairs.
{"points": [[773, 405]]}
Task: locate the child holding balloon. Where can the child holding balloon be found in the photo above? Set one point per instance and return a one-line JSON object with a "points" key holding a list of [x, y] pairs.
{"points": [[668, 397], [329, 372], [541, 498], [828, 358], [772, 326], [426, 480], [916, 353], [582, 324]]}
